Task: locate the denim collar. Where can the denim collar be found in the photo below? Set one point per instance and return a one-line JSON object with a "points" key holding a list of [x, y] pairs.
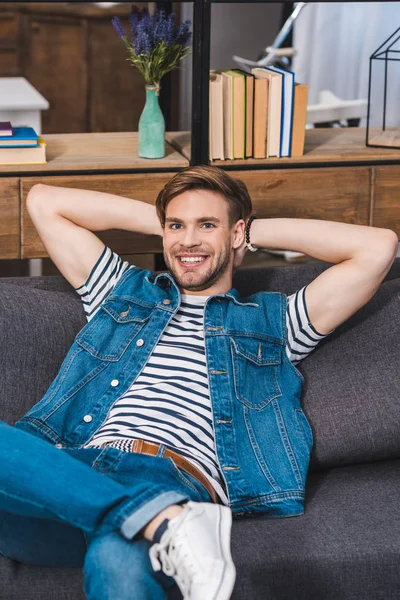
{"points": [[165, 281]]}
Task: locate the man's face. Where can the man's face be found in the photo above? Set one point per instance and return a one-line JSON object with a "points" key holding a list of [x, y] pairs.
{"points": [[199, 243]]}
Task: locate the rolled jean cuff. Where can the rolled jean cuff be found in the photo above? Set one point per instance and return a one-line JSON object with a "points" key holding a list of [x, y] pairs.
{"points": [[145, 513]]}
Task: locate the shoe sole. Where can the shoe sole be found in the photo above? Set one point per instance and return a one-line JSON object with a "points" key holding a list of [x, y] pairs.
{"points": [[224, 592]]}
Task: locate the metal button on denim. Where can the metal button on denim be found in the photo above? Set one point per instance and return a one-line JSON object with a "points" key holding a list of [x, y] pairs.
{"points": [[140, 342], [58, 445], [166, 301], [114, 382], [87, 418]]}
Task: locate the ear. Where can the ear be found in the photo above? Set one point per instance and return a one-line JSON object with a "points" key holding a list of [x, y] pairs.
{"points": [[238, 233]]}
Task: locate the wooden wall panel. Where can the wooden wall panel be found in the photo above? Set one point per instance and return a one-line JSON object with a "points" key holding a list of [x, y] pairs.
{"points": [[117, 94], [386, 198], [332, 194], [8, 44], [55, 63], [138, 186], [9, 218]]}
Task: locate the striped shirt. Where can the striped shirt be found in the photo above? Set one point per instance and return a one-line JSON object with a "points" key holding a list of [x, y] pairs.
{"points": [[169, 401]]}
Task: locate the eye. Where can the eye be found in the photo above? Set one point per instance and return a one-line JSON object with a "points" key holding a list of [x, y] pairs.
{"points": [[205, 225], [175, 225]]}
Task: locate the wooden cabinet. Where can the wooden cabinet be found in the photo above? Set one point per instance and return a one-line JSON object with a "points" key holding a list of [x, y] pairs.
{"points": [[360, 187], [385, 198], [332, 194], [72, 55], [136, 186], [9, 218]]}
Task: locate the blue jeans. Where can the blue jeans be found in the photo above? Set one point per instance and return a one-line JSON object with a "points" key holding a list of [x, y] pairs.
{"points": [[85, 507]]}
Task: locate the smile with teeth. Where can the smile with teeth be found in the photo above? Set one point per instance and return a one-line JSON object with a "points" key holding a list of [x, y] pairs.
{"points": [[192, 259]]}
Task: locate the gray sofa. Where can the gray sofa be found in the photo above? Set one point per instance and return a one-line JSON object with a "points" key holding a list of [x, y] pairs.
{"points": [[346, 546]]}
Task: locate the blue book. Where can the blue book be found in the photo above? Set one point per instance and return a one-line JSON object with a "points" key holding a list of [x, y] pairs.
{"points": [[22, 137], [287, 110]]}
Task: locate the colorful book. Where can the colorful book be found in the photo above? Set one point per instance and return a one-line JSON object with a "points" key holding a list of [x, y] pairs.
{"points": [[5, 129], [228, 114], [238, 112], [26, 156], [287, 110], [249, 111], [21, 137], [216, 117], [274, 108], [299, 119], [260, 124]]}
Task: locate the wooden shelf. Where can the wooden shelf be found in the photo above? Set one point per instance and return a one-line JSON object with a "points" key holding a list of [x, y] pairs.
{"points": [[105, 152], [337, 179], [324, 146]]}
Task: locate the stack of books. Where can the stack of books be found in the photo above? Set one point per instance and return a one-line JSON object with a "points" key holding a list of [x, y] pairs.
{"points": [[20, 145], [257, 115]]}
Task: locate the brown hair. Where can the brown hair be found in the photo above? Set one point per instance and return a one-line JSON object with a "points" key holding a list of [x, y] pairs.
{"points": [[207, 177]]}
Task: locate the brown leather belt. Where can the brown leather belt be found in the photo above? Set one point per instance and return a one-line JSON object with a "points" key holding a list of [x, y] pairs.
{"points": [[149, 448]]}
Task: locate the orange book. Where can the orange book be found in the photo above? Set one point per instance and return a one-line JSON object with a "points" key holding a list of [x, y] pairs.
{"points": [[260, 127], [299, 119], [274, 108]]}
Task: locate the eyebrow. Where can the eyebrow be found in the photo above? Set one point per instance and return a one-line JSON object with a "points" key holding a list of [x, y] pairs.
{"points": [[202, 220]]}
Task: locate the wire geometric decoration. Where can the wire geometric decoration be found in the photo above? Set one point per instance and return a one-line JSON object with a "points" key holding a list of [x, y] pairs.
{"points": [[388, 52]]}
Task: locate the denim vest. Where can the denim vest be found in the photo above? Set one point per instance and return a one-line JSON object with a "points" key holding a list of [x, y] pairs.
{"points": [[263, 438]]}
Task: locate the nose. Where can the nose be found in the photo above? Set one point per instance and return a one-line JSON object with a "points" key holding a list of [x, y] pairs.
{"points": [[190, 237]]}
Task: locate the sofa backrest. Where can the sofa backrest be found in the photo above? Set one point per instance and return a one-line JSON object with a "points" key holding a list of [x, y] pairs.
{"points": [[351, 394]]}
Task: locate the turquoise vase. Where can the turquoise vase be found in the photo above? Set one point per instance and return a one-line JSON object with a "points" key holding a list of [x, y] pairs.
{"points": [[151, 127]]}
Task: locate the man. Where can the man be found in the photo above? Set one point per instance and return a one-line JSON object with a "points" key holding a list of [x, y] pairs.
{"points": [[175, 367]]}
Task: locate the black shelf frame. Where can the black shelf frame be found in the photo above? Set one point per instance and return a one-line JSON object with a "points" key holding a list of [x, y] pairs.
{"points": [[201, 28]]}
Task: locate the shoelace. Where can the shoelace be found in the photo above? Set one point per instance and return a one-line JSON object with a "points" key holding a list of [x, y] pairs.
{"points": [[171, 555]]}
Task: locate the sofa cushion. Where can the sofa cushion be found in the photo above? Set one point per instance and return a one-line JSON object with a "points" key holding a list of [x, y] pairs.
{"points": [[37, 327], [351, 394], [345, 545]]}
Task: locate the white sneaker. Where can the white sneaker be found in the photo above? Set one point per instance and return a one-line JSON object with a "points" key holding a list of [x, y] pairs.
{"points": [[195, 551]]}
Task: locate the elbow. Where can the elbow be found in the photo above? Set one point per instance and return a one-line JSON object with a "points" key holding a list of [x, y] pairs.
{"points": [[389, 247], [393, 242]]}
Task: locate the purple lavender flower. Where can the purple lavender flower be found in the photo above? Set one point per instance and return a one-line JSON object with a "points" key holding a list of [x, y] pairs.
{"points": [[142, 41], [147, 48], [118, 27], [160, 32], [169, 38], [183, 34], [134, 19], [160, 14], [156, 44]]}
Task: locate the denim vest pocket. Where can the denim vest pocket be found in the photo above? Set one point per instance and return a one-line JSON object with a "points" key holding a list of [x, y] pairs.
{"points": [[305, 428], [255, 370], [113, 328]]}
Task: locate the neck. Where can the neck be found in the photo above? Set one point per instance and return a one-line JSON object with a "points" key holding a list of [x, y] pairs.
{"points": [[220, 287]]}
